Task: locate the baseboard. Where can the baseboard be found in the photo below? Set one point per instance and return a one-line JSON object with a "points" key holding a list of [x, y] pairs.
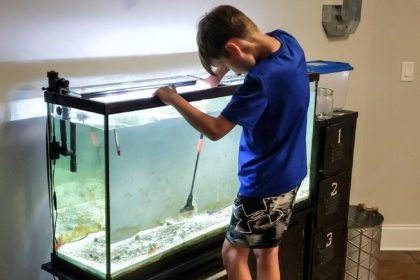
{"points": [[400, 237]]}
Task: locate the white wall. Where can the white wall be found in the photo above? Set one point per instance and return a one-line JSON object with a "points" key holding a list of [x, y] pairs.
{"points": [[390, 164], [92, 29], [117, 40]]}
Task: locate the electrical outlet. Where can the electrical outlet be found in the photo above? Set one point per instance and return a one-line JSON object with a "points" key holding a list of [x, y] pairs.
{"points": [[407, 71]]}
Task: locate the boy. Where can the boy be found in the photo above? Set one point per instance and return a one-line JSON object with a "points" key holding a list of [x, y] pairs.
{"points": [[271, 107]]}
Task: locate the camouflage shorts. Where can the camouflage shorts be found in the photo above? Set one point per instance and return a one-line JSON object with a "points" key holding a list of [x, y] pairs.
{"points": [[260, 222]]}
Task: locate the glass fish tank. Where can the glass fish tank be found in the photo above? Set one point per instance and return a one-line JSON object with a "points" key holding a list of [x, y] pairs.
{"points": [[133, 188]]}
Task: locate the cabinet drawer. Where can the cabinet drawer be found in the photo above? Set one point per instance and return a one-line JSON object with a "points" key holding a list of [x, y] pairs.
{"points": [[338, 147], [333, 200], [329, 253]]}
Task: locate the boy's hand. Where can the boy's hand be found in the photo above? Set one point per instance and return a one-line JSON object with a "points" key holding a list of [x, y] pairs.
{"points": [[221, 71], [213, 80], [166, 94], [213, 128]]}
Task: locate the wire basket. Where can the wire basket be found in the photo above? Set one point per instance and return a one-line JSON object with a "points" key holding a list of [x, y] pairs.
{"points": [[363, 242]]}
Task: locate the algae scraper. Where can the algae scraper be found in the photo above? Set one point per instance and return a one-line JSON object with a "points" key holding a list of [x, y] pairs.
{"points": [[188, 206]]}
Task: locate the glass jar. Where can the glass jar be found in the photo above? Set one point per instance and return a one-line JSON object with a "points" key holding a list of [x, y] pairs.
{"points": [[324, 103]]}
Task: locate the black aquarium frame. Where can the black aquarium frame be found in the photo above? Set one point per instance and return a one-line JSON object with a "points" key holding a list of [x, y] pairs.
{"points": [[198, 262], [69, 100]]}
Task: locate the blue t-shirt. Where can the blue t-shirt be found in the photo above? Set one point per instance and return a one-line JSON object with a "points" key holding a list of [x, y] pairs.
{"points": [[271, 106]]}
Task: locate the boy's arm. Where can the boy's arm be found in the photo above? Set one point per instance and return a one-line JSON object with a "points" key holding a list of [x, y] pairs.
{"points": [[213, 128]]}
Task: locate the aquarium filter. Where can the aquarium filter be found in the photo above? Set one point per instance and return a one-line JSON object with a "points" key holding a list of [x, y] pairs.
{"points": [[59, 85]]}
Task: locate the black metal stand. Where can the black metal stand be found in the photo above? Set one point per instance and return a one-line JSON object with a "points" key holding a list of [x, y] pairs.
{"points": [[333, 180]]}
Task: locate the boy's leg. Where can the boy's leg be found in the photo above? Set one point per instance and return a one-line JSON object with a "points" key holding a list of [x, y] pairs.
{"points": [[267, 263], [256, 223], [235, 260]]}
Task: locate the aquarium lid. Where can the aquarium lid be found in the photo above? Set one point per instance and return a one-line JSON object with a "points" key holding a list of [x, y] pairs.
{"points": [[116, 98], [327, 67], [125, 88], [106, 105]]}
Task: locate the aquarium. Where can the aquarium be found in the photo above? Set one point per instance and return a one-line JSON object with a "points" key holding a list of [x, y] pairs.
{"points": [[131, 183]]}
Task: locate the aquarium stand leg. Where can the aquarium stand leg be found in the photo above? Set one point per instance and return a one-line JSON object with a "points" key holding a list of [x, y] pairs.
{"points": [[66, 271], [61, 275]]}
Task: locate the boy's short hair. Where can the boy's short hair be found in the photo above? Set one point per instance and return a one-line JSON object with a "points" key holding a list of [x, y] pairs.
{"points": [[216, 28]]}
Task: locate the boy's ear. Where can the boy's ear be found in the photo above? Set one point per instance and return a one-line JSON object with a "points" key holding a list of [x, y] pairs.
{"points": [[233, 46]]}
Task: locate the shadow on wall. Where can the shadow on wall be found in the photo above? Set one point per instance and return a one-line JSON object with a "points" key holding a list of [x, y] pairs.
{"points": [[20, 91], [29, 72], [25, 235]]}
